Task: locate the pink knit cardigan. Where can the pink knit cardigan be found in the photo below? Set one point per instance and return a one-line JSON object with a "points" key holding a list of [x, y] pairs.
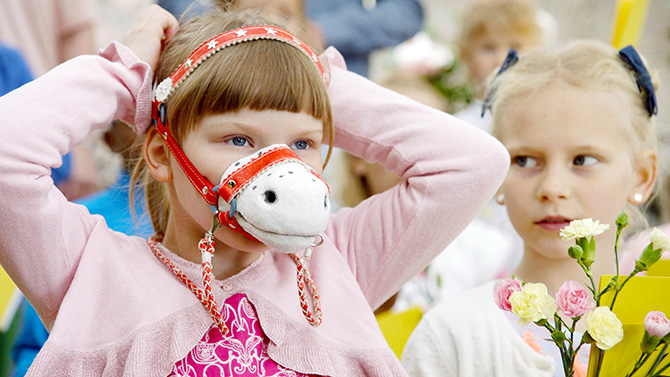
{"points": [[114, 309]]}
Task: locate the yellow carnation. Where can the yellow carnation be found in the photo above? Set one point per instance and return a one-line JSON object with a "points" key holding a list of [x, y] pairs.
{"points": [[532, 303], [604, 327]]}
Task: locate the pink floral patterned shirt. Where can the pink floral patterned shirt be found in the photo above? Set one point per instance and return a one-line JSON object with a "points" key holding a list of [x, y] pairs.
{"points": [[242, 353]]}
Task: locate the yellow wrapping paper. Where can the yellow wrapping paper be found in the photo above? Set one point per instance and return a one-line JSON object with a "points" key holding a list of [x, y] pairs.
{"points": [[641, 295]]}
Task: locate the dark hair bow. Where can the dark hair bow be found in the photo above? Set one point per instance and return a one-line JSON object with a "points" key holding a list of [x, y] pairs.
{"points": [[630, 56], [510, 60]]}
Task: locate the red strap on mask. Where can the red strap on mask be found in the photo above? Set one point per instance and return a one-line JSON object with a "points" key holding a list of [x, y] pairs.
{"points": [[204, 187]]}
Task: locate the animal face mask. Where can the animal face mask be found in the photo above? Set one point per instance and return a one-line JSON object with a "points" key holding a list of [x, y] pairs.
{"points": [[275, 198]]}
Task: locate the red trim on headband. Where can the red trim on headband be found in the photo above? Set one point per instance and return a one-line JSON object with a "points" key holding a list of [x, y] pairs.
{"points": [[229, 38]]}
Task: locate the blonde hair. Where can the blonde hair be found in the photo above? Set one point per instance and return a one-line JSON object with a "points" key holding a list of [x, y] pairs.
{"points": [[258, 75], [507, 16], [584, 64]]}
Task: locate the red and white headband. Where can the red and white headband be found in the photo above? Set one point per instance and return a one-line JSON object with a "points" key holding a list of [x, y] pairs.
{"points": [[229, 38]]}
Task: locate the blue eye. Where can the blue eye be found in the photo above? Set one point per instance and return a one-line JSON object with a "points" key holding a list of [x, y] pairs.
{"points": [[300, 144], [238, 141]]}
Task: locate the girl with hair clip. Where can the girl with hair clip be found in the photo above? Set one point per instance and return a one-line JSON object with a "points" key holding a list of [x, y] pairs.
{"points": [[579, 126], [248, 272]]}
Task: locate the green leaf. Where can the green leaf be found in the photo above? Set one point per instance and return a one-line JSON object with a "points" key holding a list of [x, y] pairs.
{"points": [[648, 257], [649, 343], [589, 248]]}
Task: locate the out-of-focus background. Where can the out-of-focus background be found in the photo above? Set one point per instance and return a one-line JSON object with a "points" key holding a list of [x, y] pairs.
{"points": [[433, 54], [579, 19]]}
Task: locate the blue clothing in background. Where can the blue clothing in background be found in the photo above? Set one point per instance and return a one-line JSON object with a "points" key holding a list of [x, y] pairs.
{"points": [[14, 70], [114, 205], [353, 30], [62, 173], [179, 7], [29, 341], [356, 31]]}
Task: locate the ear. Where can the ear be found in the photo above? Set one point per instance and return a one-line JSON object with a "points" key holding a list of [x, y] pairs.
{"points": [[646, 174], [157, 156]]}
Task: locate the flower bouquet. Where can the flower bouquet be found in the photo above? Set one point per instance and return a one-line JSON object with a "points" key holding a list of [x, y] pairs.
{"points": [[531, 303]]}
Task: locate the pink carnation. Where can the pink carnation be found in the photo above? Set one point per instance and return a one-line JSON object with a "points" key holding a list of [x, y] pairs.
{"points": [[573, 299], [503, 290], [656, 324]]}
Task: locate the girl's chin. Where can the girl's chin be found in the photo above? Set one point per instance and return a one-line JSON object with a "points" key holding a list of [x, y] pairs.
{"points": [[552, 249]]}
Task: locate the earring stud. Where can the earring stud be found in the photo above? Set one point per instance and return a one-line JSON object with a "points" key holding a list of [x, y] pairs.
{"points": [[500, 198], [637, 197]]}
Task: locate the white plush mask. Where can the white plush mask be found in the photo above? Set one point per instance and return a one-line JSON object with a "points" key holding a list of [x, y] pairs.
{"points": [[276, 198]]}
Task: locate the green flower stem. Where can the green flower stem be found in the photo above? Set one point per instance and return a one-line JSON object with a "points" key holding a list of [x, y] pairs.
{"points": [[599, 360], [658, 374], [616, 251], [579, 346], [619, 288], [592, 288], [566, 357], [659, 358], [638, 364], [607, 288]]}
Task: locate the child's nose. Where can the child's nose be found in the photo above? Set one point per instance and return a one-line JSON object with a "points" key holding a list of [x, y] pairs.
{"points": [[554, 184]]}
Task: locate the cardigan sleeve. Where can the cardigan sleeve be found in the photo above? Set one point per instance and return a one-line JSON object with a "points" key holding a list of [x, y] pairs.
{"points": [[43, 235], [450, 170]]}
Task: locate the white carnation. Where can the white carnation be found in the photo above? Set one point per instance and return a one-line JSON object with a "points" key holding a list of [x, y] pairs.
{"points": [[583, 229], [659, 239]]}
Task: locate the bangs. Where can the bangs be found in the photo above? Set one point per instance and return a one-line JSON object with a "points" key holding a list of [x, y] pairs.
{"points": [[259, 75]]}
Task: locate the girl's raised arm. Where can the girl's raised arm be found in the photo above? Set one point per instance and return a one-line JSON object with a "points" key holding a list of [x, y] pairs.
{"points": [[450, 171], [43, 237]]}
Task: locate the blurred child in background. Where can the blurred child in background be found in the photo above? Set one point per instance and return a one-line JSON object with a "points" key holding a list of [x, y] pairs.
{"points": [[488, 30]]}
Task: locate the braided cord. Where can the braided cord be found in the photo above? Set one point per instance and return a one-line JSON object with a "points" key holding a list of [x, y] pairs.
{"points": [[206, 246], [305, 279]]}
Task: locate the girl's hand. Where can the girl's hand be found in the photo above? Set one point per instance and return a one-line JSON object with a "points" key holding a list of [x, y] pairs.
{"points": [[147, 38]]}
